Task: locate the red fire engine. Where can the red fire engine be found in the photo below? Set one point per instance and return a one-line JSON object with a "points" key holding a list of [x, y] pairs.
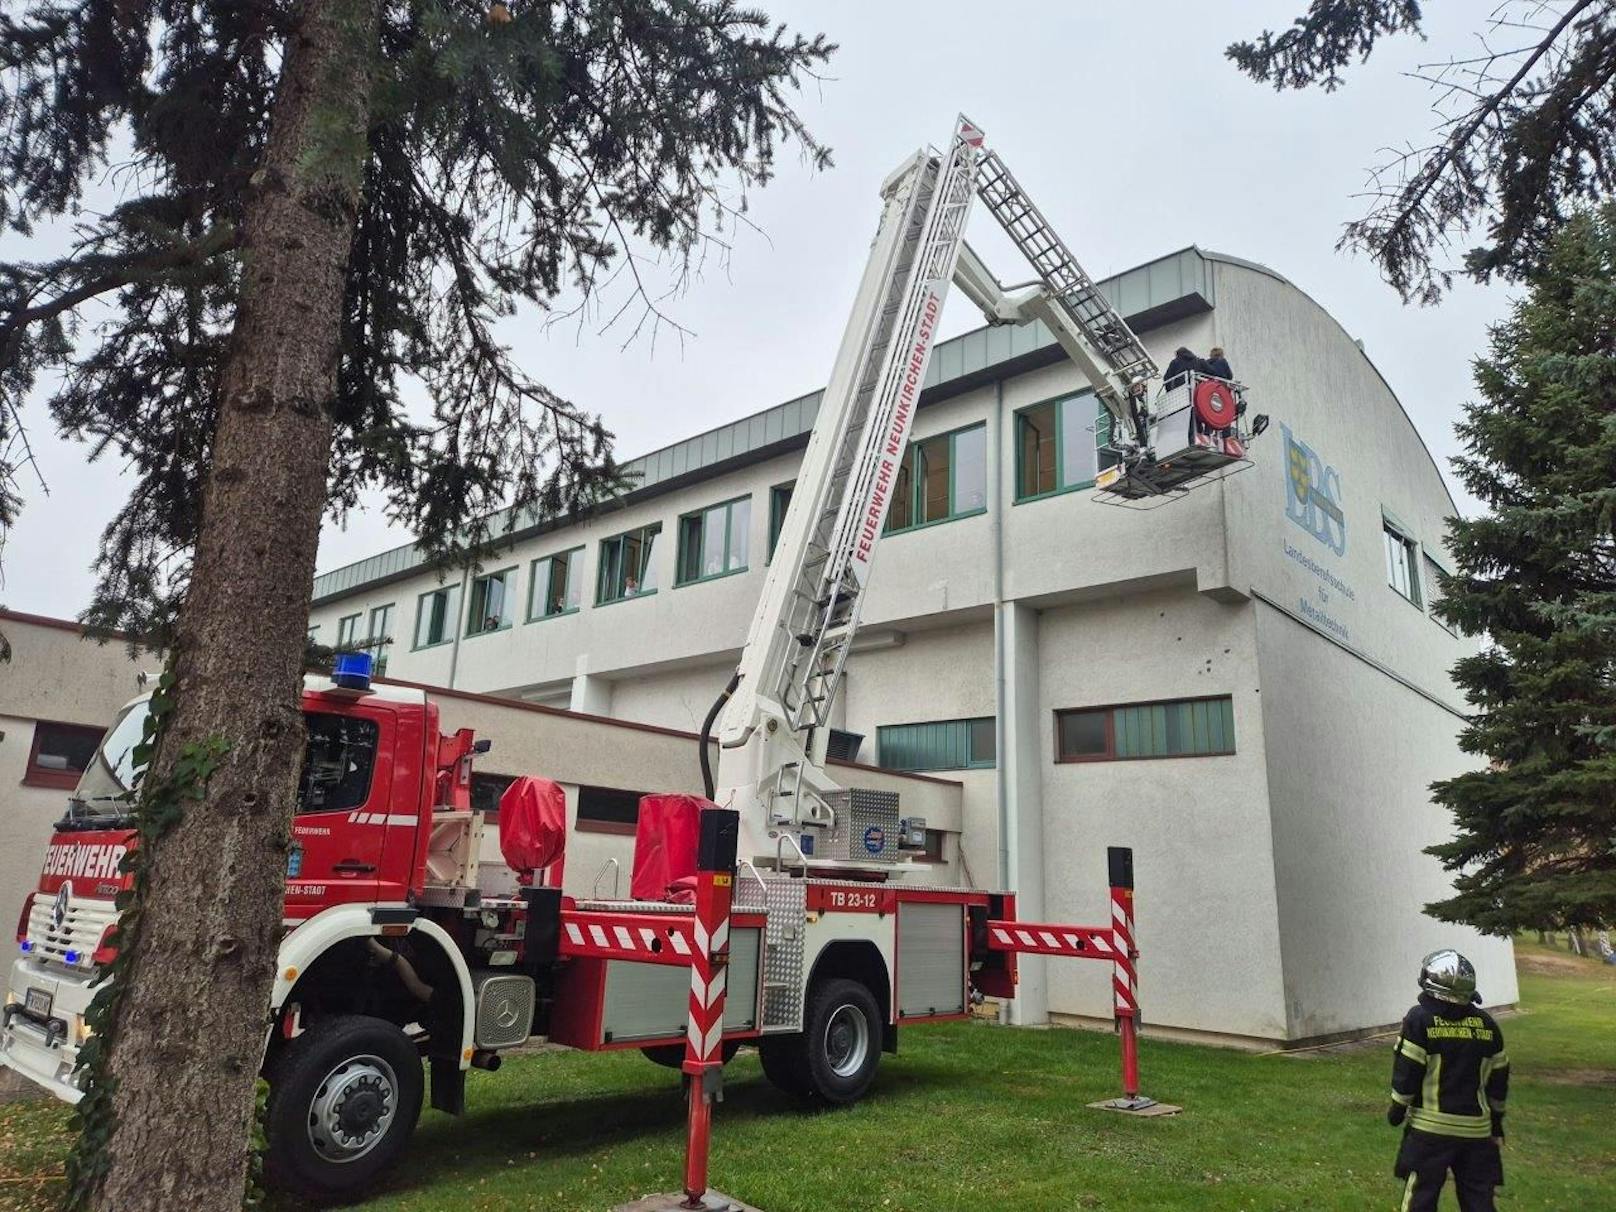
{"points": [[779, 911]]}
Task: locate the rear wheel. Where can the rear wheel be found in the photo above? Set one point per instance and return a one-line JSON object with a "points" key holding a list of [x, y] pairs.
{"points": [[835, 1057], [343, 1099]]}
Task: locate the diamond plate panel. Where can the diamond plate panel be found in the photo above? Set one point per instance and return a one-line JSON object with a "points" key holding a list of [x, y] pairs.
{"points": [[782, 960], [866, 828]]}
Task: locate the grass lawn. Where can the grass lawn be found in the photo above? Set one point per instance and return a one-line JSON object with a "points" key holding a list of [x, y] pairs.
{"points": [[972, 1116]]}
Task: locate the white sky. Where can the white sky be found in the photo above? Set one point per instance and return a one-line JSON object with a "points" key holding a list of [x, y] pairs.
{"points": [[1125, 123]]}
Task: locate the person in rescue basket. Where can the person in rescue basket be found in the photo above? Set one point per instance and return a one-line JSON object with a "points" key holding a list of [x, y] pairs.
{"points": [[1217, 364], [1450, 1076], [1184, 361]]}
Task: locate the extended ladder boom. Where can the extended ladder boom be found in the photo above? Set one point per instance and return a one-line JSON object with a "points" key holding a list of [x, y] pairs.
{"points": [[774, 730]]}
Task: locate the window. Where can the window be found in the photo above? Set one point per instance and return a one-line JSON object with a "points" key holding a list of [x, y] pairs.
{"points": [[941, 478], [608, 809], [779, 502], [1402, 574], [337, 762], [493, 600], [943, 745], [934, 847], [556, 585], [380, 636], [436, 614], [1057, 446], [1434, 573], [348, 631], [486, 788], [1181, 728], [59, 754], [714, 542], [626, 568]]}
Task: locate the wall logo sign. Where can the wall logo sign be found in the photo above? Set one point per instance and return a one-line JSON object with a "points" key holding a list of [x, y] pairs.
{"points": [[1313, 494]]}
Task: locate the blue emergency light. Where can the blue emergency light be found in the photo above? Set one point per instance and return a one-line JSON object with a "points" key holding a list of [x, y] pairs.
{"points": [[352, 670], [70, 957], [27, 945]]}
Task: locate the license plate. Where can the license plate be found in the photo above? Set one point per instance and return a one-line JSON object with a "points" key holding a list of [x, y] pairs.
{"points": [[38, 1002]]}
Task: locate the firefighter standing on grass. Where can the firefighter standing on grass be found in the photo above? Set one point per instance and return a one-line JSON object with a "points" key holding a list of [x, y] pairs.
{"points": [[1450, 1076]]}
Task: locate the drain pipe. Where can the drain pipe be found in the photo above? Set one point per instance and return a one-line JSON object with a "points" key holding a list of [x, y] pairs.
{"points": [[460, 610], [1001, 779]]}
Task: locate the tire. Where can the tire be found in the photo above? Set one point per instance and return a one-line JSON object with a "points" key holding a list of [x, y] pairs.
{"points": [[349, 1072], [835, 1057]]}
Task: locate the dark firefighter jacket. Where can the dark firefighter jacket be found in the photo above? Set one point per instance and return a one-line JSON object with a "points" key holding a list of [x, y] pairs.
{"points": [[1219, 367], [1450, 1070], [1180, 366]]}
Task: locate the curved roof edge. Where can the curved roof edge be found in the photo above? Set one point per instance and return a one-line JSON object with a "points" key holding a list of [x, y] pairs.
{"points": [[1258, 267]]}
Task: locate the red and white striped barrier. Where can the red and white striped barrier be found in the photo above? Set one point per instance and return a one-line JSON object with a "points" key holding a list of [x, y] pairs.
{"points": [[709, 979]]}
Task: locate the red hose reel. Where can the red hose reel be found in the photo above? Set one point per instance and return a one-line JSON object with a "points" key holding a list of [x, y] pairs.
{"points": [[1215, 404]]}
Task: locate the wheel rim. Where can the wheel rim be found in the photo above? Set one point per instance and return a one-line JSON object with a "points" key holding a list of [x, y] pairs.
{"points": [[847, 1041], [353, 1108]]}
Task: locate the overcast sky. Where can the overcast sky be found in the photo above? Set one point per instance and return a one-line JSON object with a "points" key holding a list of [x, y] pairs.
{"points": [[1124, 122]]}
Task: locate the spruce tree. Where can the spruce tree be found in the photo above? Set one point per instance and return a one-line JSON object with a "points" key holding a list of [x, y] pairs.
{"points": [[319, 203], [1536, 576]]}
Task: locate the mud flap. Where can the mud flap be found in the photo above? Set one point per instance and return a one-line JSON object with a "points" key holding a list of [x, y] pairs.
{"points": [[448, 1086]]}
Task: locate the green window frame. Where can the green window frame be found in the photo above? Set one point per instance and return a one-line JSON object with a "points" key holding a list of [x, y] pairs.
{"points": [[490, 605], [379, 636], [555, 585], [940, 478], [779, 502], [437, 614], [1054, 449], [627, 565], [1434, 573], [348, 630], [1402, 560], [1170, 728], [968, 744], [714, 542]]}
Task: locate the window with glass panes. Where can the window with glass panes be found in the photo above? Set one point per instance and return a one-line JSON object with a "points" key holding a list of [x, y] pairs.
{"points": [[435, 616], [493, 605], [941, 478], [1402, 572], [1433, 592], [714, 541], [626, 566], [556, 585], [59, 754], [348, 630], [1177, 728], [1057, 446], [937, 745], [779, 502], [379, 637]]}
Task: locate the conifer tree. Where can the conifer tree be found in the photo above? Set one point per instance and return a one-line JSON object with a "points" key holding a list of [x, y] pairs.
{"points": [[1536, 576], [319, 202]]}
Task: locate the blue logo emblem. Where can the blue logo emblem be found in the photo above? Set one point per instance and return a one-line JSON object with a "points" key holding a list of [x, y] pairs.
{"points": [[1313, 494], [294, 862], [875, 839]]}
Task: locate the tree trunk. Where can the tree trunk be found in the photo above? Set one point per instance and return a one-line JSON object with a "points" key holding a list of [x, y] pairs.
{"points": [[185, 1049]]}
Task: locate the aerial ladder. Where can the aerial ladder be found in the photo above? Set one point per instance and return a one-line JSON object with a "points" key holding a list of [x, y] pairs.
{"points": [[774, 717]]}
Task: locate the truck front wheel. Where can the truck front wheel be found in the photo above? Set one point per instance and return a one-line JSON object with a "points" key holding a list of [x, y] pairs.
{"points": [[834, 1058], [343, 1099]]}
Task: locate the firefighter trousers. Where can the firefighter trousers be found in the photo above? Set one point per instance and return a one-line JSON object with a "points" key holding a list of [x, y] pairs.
{"points": [[1425, 1160]]}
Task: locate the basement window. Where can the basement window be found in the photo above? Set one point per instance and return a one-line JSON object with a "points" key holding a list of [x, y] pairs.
{"points": [[493, 602], [557, 585], [1175, 728], [714, 541], [608, 809], [940, 479], [486, 790], [626, 567], [436, 614], [938, 745], [59, 754]]}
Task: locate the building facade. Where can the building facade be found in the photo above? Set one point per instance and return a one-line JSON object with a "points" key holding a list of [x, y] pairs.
{"points": [[1245, 684]]}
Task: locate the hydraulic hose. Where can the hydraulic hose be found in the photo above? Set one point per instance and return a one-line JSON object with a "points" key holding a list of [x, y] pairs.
{"points": [[708, 787]]}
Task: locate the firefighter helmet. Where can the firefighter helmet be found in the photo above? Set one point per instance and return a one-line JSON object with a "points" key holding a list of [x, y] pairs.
{"points": [[1448, 976]]}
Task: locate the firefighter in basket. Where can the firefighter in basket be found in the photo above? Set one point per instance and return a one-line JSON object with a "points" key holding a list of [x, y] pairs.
{"points": [[1450, 1076]]}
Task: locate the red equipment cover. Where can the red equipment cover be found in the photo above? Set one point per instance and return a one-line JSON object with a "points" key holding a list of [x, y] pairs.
{"points": [[532, 823], [665, 847]]}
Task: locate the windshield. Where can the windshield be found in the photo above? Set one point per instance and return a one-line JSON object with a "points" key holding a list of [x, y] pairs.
{"points": [[112, 774]]}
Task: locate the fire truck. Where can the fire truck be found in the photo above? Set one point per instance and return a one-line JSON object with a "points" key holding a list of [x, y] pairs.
{"points": [[779, 911]]}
